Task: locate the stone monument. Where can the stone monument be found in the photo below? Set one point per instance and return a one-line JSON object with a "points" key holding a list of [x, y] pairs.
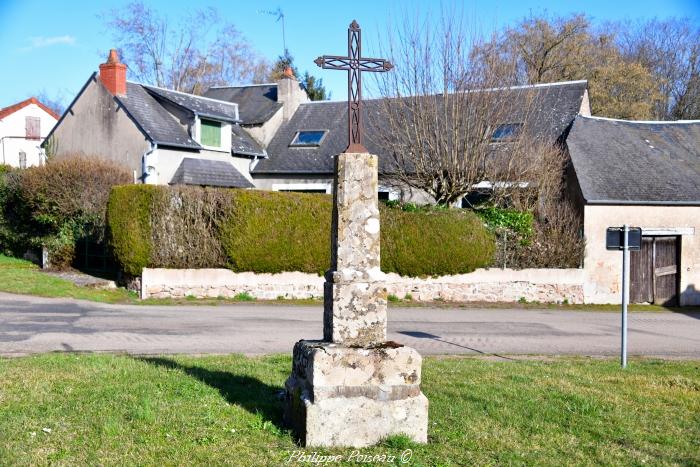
{"points": [[355, 388]]}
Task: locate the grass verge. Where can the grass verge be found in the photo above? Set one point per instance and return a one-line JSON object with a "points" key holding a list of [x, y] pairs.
{"points": [[111, 409]]}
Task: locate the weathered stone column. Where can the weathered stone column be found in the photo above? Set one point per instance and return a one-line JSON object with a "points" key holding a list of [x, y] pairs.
{"points": [[354, 388], [354, 295]]}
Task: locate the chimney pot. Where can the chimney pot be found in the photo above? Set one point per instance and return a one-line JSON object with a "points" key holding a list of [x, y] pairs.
{"points": [[113, 74], [288, 73]]}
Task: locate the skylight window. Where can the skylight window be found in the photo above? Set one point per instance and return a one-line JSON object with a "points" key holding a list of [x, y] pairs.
{"points": [[308, 138], [506, 132]]}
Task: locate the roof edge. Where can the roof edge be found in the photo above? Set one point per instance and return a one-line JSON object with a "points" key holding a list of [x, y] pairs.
{"points": [[651, 122], [625, 202], [242, 86], [148, 86]]}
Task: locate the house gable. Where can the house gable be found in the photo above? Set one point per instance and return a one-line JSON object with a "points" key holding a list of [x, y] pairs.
{"points": [[96, 124]]}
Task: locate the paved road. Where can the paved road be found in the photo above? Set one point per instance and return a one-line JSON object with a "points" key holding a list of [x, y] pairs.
{"points": [[30, 324]]}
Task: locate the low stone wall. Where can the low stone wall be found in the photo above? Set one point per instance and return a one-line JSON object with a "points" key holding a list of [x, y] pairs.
{"points": [[482, 285]]}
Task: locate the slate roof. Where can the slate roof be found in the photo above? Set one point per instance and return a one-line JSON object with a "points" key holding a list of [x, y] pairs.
{"points": [[557, 104], [627, 162], [205, 172], [203, 106], [256, 103], [158, 124], [244, 144]]}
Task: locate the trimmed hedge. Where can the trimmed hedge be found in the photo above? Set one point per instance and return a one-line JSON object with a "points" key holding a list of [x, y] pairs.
{"points": [[272, 232], [129, 226]]}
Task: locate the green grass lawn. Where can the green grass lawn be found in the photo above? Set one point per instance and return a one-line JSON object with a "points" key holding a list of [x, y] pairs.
{"points": [[23, 277], [89, 409]]}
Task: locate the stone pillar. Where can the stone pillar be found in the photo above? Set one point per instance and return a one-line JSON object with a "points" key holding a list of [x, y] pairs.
{"points": [[354, 388], [354, 295]]}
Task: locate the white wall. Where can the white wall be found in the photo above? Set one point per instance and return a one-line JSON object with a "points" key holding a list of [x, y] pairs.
{"points": [[604, 268], [264, 133], [13, 132], [166, 162], [482, 285]]}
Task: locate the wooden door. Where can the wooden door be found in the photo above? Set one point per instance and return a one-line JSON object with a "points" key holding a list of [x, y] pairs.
{"points": [[666, 268], [654, 271]]}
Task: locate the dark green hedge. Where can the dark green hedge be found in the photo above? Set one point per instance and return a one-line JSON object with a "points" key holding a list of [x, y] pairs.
{"points": [[129, 225], [274, 232]]}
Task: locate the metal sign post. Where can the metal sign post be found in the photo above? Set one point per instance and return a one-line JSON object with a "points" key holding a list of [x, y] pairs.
{"points": [[624, 238], [625, 293]]}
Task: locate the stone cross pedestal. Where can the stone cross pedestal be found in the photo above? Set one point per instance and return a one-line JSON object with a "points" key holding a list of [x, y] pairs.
{"points": [[354, 388]]}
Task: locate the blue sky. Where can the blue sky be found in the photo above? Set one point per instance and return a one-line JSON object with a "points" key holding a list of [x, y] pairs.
{"points": [[54, 46]]}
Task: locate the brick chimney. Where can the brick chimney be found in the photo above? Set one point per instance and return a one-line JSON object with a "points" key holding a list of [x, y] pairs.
{"points": [[113, 74]]}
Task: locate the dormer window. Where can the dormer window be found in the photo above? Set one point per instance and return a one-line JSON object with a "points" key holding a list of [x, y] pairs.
{"points": [[506, 132], [308, 138], [210, 133]]}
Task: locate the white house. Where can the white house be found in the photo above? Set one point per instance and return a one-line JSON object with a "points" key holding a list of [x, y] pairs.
{"points": [[23, 127], [165, 136]]}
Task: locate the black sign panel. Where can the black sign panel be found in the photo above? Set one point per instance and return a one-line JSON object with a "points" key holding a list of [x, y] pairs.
{"points": [[615, 238]]}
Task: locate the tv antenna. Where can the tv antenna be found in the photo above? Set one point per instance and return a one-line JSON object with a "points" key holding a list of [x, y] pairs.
{"points": [[279, 15]]}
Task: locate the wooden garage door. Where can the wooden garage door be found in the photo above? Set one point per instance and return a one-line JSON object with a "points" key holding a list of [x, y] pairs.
{"points": [[654, 271]]}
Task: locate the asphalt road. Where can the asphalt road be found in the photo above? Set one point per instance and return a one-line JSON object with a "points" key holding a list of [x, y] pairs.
{"points": [[31, 324]]}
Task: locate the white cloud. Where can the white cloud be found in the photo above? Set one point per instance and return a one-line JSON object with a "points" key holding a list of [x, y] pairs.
{"points": [[41, 41]]}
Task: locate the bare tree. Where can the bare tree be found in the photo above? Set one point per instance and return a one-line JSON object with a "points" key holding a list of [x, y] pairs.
{"points": [[670, 49], [449, 122], [549, 49], [201, 51]]}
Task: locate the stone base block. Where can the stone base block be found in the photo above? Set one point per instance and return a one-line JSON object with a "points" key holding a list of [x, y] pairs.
{"points": [[354, 397], [354, 313]]}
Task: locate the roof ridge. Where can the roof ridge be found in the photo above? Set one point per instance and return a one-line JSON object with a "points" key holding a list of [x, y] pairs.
{"points": [[524, 86], [242, 85], [593, 117], [219, 101]]}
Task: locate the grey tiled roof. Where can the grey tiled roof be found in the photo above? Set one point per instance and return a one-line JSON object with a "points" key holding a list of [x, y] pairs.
{"points": [[204, 106], [557, 105], [158, 124], [256, 103], [205, 172], [244, 144], [628, 162]]}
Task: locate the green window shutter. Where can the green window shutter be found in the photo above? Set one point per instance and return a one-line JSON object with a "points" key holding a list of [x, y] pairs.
{"points": [[211, 133]]}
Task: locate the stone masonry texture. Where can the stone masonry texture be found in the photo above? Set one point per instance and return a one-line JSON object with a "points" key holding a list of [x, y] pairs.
{"points": [[343, 396], [354, 294]]}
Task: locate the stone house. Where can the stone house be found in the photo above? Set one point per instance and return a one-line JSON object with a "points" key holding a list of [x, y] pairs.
{"points": [[644, 174], [23, 128]]}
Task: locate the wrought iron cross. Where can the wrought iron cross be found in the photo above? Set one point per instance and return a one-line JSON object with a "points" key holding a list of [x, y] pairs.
{"points": [[355, 64]]}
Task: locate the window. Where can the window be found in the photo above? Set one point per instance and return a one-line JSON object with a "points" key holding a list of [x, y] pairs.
{"points": [[506, 132], [211, 133], [308, 138], [33, 127], [22, 160]]}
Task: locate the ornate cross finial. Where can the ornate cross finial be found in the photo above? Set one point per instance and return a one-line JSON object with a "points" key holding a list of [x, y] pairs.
{"points": [[355, 64]]}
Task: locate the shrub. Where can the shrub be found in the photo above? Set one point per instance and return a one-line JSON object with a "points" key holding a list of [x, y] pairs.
{"points": [[273, 232], [433, 242], [129, 226], [55, 204], [186, 222]]}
